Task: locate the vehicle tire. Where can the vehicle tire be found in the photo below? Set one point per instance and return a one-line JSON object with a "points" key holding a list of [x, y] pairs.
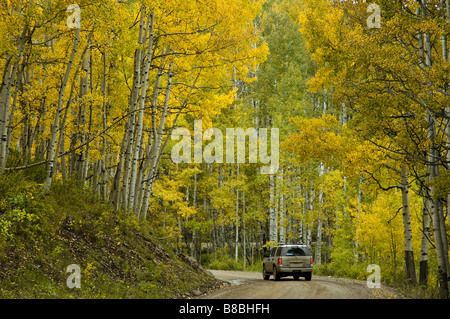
{"points": [[266, 276], [296, 277], [276, 275], [308, 276]]}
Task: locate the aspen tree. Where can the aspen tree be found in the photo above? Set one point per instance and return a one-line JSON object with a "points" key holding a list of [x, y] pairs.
{"points": [[139, 138], [9, 80], [409, 254], [55, 128], [432, 170]]}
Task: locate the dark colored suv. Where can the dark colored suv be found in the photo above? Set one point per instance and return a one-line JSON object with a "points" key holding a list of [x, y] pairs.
{"points": [[288, 260]]}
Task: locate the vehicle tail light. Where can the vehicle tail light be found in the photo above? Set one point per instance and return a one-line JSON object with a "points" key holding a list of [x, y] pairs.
{"points": [[279, 261], [312, 261]]}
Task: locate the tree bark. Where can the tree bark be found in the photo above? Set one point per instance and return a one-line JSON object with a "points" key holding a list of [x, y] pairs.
{"points": [[140, 121], [282, 210], [236, 242], [156, 146], [55, 128], [8, 82], [407, 232], [423, 270], [104, 171], [273, 222], [432, 171]]}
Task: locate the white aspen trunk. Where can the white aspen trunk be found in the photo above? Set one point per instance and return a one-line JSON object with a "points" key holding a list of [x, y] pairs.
{"points": [[4, 112], [6, 87], [156, 147], [280, 182], [5, 120], [179, 240], [129, 155], [81, 120], [95, 176], [60, 147], [244, 250], [221, 235], [140, 183], [140, 121], [125, 192], [195, 232], [447, 144], [273, 218], [236, 249], [444, 238], [426, 237], [277, 207], [407, 232], [344, 113], [427, 203], [308, 236], [447, 132], [214, 231], [11, 114], [309, 225], [300, 232], [40, 129], [432, 167], [358, 211], [304, 215], [26, 139], [139, 189], [89, 130], [344, 206], [318, 255], [143, 183], [63, 159], [105, 177], [55, 128], [114, 195]]}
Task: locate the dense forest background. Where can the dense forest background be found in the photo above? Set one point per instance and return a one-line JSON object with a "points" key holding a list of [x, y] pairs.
{"points": [[363, 113]]}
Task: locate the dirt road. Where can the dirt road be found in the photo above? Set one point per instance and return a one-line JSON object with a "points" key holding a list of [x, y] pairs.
{"points": [[250, 285]]}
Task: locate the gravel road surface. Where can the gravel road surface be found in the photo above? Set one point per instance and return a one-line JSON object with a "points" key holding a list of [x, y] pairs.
{"points": [[250, 285]]}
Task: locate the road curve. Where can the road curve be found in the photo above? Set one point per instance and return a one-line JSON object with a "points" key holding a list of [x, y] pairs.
{"points": [[250, 285]]}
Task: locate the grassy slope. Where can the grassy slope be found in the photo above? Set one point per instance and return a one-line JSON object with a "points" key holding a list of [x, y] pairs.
{"points": [[40, 235]]}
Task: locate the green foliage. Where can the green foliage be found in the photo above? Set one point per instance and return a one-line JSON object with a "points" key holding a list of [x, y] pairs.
{"points": [[221, 261], [224, 262]]}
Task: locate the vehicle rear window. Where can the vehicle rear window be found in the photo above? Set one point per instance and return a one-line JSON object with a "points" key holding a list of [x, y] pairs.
{"points": [[295, 251]]}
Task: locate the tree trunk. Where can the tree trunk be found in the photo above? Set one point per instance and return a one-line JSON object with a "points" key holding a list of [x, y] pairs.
{"points": [[318, 256], [6, 87], [140, 121], [432, 170], [236, 250], [409, 254], [273, 222], [244, 249], [282, 210], [105, 177], [311, 197], [84, 84], [423, 271], [55, 128], [156, 146]]}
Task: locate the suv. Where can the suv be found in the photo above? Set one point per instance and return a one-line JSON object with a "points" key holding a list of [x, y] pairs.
{"points": [[288, 260]]}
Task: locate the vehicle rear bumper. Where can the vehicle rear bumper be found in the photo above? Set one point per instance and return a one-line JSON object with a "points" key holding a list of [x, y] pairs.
{"points": [[294, 270]]}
